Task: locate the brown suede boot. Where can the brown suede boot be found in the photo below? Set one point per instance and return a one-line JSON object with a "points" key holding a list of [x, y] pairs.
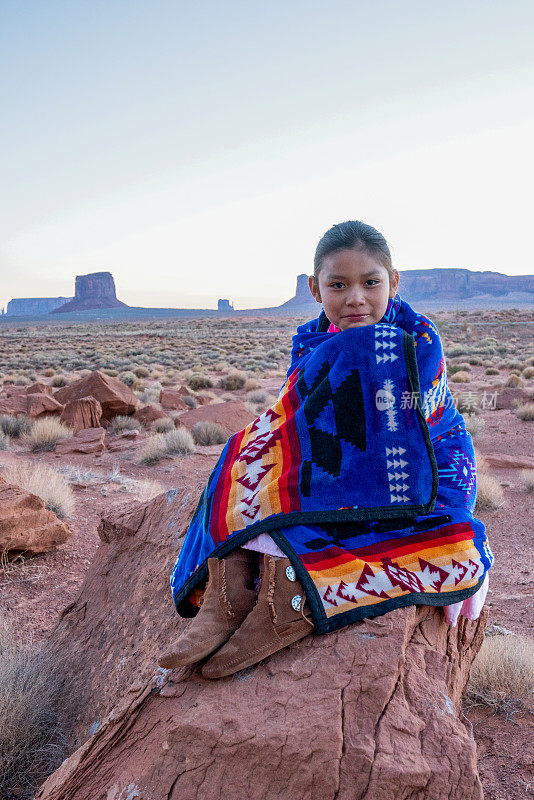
{"points": [[280, 617], [228, 599]]}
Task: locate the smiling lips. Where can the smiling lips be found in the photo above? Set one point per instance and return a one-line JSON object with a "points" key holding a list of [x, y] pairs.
{"points": [[355, 316]]}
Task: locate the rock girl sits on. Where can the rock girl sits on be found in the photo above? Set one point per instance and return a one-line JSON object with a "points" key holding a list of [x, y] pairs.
{"points": [[348, 498]]}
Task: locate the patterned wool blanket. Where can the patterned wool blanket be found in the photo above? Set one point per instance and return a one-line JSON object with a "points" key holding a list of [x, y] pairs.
{"points": [[343, 473]]}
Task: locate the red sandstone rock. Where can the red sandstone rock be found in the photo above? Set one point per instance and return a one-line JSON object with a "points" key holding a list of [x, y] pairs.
{"points": [[25, 522], [113, 395], [90, 440], [13, 390], [233, 416], [149, 414], [96, 290], [172, 399], [32, 405], [185, 391], [83, 413], [507, 462], [42, 404], [371, 711], [39, 388]]}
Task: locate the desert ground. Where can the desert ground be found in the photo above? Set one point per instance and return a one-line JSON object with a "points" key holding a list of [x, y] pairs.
{"points": [[228, 372]]}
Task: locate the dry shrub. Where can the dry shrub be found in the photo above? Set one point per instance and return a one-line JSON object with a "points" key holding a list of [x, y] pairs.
{"points": [[251, 384], [48, 372], [528, 373], [502, 674], [527, 476], [460, 377], [260, 396], [32, 741], [482, 464], [46, 483], [199, 381], [153, 450], [190, 401], [490, 495], [4, 441], [163, 425], [146, 490], [475, 425], [179, 442], [232, 382], [492, 371], [45, 433], [525, 412], [124, 423], [128, 378], [206, 433], [514, 381], [14, 426], [58, 381]]}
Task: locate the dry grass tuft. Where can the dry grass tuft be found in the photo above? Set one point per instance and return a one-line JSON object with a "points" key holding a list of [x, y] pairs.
{"points": [[58, 381], [199, 381], [32, 742], [206, 433], [528, 373], [460, 377], [527, 477], [502, 675], [46, 433], [124, 423], [163, 425], [44, 481], [490, 495], [475, 425], [492, 371], [514, 381], [14, 426], [525, 412], [153, 450], [179, 442], [232, 382]]}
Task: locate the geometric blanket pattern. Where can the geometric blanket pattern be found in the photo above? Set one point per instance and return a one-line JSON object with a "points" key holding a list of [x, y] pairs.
{"points": [[362, 472]]}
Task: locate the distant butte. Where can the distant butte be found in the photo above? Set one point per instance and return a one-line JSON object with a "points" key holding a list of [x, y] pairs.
{"points": [[93, 291]]}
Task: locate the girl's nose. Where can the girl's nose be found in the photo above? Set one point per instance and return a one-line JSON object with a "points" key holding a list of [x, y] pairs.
{"points": [[356, 296]]}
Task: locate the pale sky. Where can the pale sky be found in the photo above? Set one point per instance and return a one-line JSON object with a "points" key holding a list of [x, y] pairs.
{"points": [[201, 152]]}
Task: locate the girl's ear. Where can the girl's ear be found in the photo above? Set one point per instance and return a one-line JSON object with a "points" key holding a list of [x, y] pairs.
{"points": [[314, 289], [393, 284]]}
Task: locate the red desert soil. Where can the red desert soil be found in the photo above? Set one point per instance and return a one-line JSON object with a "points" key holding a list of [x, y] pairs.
{"points": [[34, 592]]}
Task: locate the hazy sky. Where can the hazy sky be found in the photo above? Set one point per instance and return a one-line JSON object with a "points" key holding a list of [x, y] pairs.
{"points": [[201, 151]]}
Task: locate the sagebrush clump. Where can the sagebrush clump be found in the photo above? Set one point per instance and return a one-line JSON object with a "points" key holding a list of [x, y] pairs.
{"points": [[32, 739], [206, 433]]}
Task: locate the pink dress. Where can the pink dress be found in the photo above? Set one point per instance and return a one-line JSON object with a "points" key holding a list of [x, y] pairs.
{"points": [[469, 608]]}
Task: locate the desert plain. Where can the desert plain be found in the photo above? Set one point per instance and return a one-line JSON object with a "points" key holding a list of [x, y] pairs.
{"points": [[197, 381]]}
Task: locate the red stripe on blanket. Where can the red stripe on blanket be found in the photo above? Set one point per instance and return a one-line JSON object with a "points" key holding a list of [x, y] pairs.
{"points": [[288, 481], [334, 556], [218, 526]]}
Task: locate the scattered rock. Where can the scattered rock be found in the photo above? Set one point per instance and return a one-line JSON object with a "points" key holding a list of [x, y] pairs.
{"points": [[233, 416], [506, 461], [83, 413], [149, 414], [90, 440], [371, 711], [172, 399], [26, 524], [31, 405], [113, 395], [39, 388]]}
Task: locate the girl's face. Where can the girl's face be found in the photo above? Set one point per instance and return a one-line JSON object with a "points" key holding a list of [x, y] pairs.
{"points": [[354, 288]]}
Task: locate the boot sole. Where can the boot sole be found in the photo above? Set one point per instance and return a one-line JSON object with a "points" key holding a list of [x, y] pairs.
{"points": [[254, 658]]}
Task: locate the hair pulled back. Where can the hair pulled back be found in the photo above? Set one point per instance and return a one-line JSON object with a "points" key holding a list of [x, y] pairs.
{"points": [[353, 235]]}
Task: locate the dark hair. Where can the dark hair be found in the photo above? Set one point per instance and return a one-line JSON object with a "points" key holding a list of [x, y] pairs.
{"points": [[353, 235]]}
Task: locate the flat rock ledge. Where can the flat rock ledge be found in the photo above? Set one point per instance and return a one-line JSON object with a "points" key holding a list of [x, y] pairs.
{"points": [[371, 711]]}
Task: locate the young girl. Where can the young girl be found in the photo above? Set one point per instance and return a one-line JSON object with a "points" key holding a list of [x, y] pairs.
{"points": [[293, 475]]}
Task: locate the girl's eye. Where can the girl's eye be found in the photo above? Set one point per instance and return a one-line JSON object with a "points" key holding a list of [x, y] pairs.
{"points": [[373, 280], [337, 285]]}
